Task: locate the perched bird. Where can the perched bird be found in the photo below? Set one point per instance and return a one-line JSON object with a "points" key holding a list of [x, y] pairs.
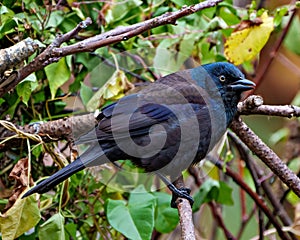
{"points": [[164, 128]]}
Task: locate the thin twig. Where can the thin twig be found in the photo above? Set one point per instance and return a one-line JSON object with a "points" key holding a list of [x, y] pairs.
{"points": [[257, 188], [46, 57], [260, 203], [218, 217], [278, 207], [244, 222], [242, 192]]}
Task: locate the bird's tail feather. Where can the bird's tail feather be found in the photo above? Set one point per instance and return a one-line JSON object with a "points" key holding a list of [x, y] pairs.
{"points": [[91, 157], [56, 178]]}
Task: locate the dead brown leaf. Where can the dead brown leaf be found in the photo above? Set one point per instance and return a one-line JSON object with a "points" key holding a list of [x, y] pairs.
{"points": [[20, 174]]}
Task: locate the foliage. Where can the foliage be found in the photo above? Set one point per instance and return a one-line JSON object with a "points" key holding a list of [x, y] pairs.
{"points": [[86, 206]]}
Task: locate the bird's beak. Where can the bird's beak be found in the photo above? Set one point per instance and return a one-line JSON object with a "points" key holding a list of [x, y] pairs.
{"points": [[242, 85]]}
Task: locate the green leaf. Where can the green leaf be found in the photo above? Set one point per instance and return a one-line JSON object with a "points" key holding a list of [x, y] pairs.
{"points": [[139, 214], [296, 100], [279, 136], [69, 22], [56, 17], [9, 3], [57, 74], [37, 150], [280, 13], [292, 39], [113, 89], [12, 100], [26, 87], [225, 194], [166, 58], [53, 228], [86, 93], [228, 157], [5, 13], [160, 11], [118, 11], [70, 230], [20, 218], [186, 47], [181, 3], [213, 190], [294, 164], [141, 205], [7, 27], [215, 24], [228, 13], [207, 54], [166, 218]]}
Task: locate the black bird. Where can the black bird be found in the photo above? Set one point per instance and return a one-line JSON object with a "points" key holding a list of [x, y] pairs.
{"points": [[165, 127]]}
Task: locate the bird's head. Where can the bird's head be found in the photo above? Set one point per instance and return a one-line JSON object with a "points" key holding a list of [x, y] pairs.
{"points": [[225, 83], [228, 78]]}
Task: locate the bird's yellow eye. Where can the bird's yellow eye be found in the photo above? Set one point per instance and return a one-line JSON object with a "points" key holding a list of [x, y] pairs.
{"points": [[222, 78]]}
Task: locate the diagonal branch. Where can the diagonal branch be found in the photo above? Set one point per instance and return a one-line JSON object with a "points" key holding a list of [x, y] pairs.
{"points": [[260, 203], [53, 52], [266, 154]]}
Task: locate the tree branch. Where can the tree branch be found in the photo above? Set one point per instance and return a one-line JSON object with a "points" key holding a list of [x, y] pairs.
{"points": [[215, 209], [53, 53], [288, 111], [258, 175], [254, 105], [257, 146], [260, 203], [185, 214], [65, 128]]}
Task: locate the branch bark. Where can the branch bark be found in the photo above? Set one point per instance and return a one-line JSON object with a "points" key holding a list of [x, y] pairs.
{"points": [[254, 105], [257, 146], [64, 128], [288, 111], [53, 52], [185, 214]]}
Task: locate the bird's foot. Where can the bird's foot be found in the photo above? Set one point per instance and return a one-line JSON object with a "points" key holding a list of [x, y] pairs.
{"points": [[181, 193], [176, 192]]}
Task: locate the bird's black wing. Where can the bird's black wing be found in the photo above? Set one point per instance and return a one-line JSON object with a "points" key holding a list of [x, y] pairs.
{"points": [[134, 114], [126, 118]]}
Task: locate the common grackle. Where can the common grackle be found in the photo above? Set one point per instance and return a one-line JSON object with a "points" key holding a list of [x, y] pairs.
{"points": [[165, 127]]}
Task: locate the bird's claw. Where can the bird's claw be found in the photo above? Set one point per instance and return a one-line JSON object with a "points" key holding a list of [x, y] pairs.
{"points": [[181, 193]]}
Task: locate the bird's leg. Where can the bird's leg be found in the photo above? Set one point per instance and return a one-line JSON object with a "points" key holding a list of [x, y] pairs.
{"points": [[176, 192]]}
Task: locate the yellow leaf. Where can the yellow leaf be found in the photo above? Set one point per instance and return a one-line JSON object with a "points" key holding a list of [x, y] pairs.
{"points": [[245, 44], [113, 89], [20, 218]]}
